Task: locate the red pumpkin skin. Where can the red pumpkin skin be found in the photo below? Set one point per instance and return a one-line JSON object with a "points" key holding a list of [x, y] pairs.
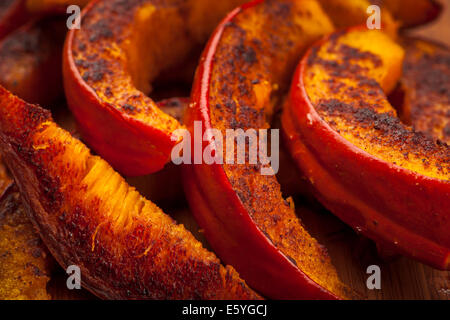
{"points": [[227, 225], [395, 207], [15, 16], [138, 148]]}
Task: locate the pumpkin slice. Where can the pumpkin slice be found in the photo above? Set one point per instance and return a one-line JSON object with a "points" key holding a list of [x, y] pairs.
{"points": [[109, 65], [13, 14], [25, 263], [31, 59], [243, 72], [88, 216], [16, 13], [426, 88], [374, 172], [394, 13]]}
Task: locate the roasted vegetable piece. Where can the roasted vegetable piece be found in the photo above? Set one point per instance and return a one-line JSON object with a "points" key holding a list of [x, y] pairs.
{"points": [[394, 13], [375, 173], [88, 216], [243, 214], [31, 59], [425, 85], [25, 263], [109, 65], [412, 13]]}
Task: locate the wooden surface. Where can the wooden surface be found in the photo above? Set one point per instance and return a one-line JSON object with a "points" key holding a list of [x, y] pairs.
{"points": [[402, 278]]}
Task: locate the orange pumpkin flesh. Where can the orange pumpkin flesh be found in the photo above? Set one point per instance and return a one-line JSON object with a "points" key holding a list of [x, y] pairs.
{"points": [[88, 216], [245, 218], [375, 173], [109, 65]]}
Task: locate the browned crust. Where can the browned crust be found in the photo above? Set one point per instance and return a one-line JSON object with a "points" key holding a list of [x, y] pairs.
{"points": [[252, 70], [126, 252], [108, 52]]}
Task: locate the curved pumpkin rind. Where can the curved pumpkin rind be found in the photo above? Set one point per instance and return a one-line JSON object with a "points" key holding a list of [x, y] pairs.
{"points": [[394, 206], [225, 217]]}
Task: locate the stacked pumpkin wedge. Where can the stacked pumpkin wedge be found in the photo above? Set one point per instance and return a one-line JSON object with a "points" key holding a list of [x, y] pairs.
{"points": [[366, 164]]}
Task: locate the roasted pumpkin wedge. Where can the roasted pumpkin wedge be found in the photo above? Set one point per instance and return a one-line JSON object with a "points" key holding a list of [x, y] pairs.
{"points": [[244, 70], [413, 13], [88, 216], [425, 88], [25, 263], [384, 179], [109, 65], [31, 59]]}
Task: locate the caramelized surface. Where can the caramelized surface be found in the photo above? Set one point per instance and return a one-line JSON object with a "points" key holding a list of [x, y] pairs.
{"points": [[24, 262], [123, 46], [254, 62], [87, 214], [411, 13], [346, 78], [426, 86]]}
